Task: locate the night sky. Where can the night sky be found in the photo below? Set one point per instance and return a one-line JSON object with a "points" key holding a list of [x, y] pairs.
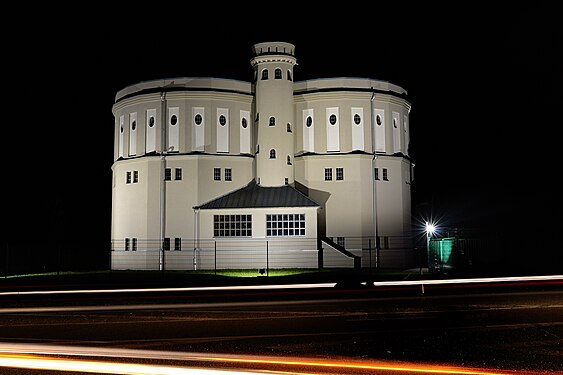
{"points": [[484, 84]]}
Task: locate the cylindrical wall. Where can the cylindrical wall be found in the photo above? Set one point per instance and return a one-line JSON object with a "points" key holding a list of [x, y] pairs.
{"points": [[273, 66]]}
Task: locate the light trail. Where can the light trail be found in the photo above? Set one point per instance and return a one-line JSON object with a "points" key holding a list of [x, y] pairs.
{"points": [[42, 357], [183, 289], [478, 280]]}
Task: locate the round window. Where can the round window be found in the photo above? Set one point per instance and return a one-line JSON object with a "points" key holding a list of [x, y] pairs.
{"points": [[173, 120], [222, 120], [198, 119], [378, 120], [332, 119], [309, 121], [357, 119]]}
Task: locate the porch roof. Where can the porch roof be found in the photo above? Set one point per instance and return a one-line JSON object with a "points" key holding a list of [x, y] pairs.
{"points": [[256, 196]]}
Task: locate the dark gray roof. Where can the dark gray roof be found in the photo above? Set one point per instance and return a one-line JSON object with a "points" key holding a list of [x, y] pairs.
{"points": [[256, 196]]}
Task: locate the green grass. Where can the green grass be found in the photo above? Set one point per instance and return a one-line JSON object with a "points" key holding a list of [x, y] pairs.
{"points": [[172, 278]]}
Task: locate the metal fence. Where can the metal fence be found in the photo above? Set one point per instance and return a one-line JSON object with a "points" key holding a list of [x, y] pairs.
{"points": [[259, 254], [213, 254]]}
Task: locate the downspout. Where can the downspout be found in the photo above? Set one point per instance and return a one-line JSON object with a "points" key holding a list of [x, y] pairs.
{"points": [[161, 260], [196, 237], [373, 180]]}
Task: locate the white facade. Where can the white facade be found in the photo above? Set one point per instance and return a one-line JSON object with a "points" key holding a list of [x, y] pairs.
{"points": [[331, 144]]}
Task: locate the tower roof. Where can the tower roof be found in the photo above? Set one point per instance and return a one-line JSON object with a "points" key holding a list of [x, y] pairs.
{"points": [[256, 196]]}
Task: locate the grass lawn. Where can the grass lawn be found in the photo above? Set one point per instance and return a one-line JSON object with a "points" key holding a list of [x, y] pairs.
{"points": [[134, 278]]}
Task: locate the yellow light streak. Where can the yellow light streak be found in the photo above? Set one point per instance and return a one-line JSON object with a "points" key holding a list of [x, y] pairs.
{"points": [[58, 364], [12, 358]]}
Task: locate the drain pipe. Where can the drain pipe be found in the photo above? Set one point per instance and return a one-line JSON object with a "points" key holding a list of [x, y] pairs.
{"points": [[161, 259], [373, 180], [196, 237]]}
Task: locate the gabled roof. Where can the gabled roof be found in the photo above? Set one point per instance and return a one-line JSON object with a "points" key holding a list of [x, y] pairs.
{"points": [[256, 196]]}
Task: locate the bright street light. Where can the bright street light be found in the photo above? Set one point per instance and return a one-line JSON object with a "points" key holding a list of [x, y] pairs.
{"points": [[430, 229]]}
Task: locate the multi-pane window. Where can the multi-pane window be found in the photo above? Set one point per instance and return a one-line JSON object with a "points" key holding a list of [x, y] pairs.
{"points": [[134, 244], [128, 177], [127, 244], [340, 173], [272, 154], [278, 73], [328, 174], [177, 243], [265, 74], [285, 225], [382, 242], [217, 174], [272, 121], [341, 241], [135, 177], [385, 177], [376, 170], [228, 174], [166, 243], [167, 174], [232, 225], [178, 174]]}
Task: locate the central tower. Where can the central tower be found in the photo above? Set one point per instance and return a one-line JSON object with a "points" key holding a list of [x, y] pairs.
{"points": [[273, 72]]}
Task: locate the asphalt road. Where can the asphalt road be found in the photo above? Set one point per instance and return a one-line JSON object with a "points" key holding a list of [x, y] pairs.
{"points": [[509, 329]]}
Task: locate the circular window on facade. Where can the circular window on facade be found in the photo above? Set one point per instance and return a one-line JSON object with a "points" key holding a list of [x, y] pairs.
{"points": [[244, 122], [378, 120], [151, 122], [357, 119], [309, 121], [394, 123], [173, 120], [222, 120], [134, 125], [332, 119], [198, 119]]}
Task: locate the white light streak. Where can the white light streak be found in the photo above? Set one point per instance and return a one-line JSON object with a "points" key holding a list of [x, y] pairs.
{"points": [[557, 278]]}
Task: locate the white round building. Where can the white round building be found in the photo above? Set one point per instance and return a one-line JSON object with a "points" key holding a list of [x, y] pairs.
{"points": [[214, 173]]}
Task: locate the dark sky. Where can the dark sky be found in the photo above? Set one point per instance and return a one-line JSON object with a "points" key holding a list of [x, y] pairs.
{"points": [[484, 84]]}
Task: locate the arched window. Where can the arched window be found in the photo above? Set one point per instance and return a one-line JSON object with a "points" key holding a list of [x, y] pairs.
{"points": [[288, 127], [289, 75], [265, 74], [288, 160], [272, 121], [278, 73], [272, 154]]}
